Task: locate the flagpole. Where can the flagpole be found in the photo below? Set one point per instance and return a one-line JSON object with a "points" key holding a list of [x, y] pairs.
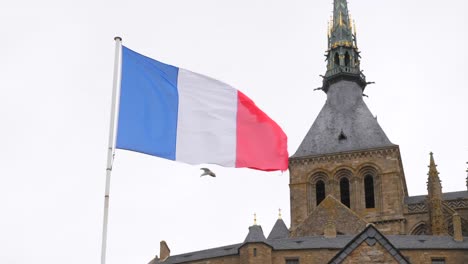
{"points": [[111, 148]]}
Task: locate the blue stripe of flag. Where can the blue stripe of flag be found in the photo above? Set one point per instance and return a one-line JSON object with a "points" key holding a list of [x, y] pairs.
{"points": [[148, 106]]}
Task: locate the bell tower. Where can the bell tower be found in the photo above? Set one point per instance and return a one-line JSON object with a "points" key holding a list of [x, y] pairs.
{"points": [[346, 154]]}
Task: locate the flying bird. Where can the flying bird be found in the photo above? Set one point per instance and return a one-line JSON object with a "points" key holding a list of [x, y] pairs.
{"points": [[207, 172]]}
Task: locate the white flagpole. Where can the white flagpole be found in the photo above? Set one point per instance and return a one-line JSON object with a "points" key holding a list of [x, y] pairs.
{"points": [[111, 149]]}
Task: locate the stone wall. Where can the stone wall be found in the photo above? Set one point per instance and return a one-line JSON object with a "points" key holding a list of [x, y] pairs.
{"points": [[222, 260], [255, 253], [366, 254], [416, 222], [344, 221], [318, 256], [389, 184], [425, 256]]}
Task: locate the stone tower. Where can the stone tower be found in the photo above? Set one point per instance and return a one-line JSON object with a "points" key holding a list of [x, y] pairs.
{"points": [[346, 154]]}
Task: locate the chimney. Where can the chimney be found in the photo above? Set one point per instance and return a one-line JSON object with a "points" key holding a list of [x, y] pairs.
{"points": [[164, 250], [457, 228]]}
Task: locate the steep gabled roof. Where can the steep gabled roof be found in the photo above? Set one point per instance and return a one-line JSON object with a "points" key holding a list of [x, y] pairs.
{"points": [[345, 220], [371, 236], [344, 124]]}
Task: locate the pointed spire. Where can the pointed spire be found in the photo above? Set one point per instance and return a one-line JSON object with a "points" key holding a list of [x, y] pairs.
{"points": [[434, 187], [341, 30], [432, 165], [342, 54], [279, 230]]}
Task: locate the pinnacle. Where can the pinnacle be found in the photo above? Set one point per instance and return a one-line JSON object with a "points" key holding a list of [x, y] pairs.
{"points": [[341, 26], [432, 166]]}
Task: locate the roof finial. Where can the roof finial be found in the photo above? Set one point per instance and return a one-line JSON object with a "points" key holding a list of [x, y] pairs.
{"points": [[255, 219], [434, 185], [279, 214], [432, 166]]}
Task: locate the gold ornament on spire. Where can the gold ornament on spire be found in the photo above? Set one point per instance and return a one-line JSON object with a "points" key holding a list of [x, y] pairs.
{"points": [[255, 218], [279, 214]]}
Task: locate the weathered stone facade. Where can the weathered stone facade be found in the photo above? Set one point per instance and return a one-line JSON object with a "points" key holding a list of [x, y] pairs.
{"points": [[383, 164], [427, 255], [330, 211]]}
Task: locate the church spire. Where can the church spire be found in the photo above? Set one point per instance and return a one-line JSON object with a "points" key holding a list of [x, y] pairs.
{"points": [[434, 188], [341, 27], [342, 54]]}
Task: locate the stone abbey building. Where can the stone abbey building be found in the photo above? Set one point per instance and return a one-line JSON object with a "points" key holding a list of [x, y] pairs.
{"points": [[348, 194]]}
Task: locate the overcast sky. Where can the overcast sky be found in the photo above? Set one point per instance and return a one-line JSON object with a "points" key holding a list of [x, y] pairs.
{"points": [[56, 63]]}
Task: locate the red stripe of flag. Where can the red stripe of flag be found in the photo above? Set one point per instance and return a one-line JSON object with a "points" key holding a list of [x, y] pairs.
{"points": [[261, 143]]}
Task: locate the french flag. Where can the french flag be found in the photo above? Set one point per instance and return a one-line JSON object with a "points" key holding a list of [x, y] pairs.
{"points": [[180, 115]]}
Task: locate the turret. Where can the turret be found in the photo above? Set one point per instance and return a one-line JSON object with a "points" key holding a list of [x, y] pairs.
{"points": [[255, 249]]}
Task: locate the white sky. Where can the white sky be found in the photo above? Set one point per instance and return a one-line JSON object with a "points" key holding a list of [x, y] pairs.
{"points": [[56, 60]]}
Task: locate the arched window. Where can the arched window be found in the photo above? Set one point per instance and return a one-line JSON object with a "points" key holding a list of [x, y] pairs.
{"points": [[419, 229], [344, 192], [319, 191], [369, 191], [346, 59], [337, 59]]}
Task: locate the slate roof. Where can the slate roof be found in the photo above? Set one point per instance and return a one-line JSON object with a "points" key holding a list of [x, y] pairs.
{"points": [[446, 196], [279, 230], [203, 254], [319, 242], [255, 235], [427, 242], [346, 113]]}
